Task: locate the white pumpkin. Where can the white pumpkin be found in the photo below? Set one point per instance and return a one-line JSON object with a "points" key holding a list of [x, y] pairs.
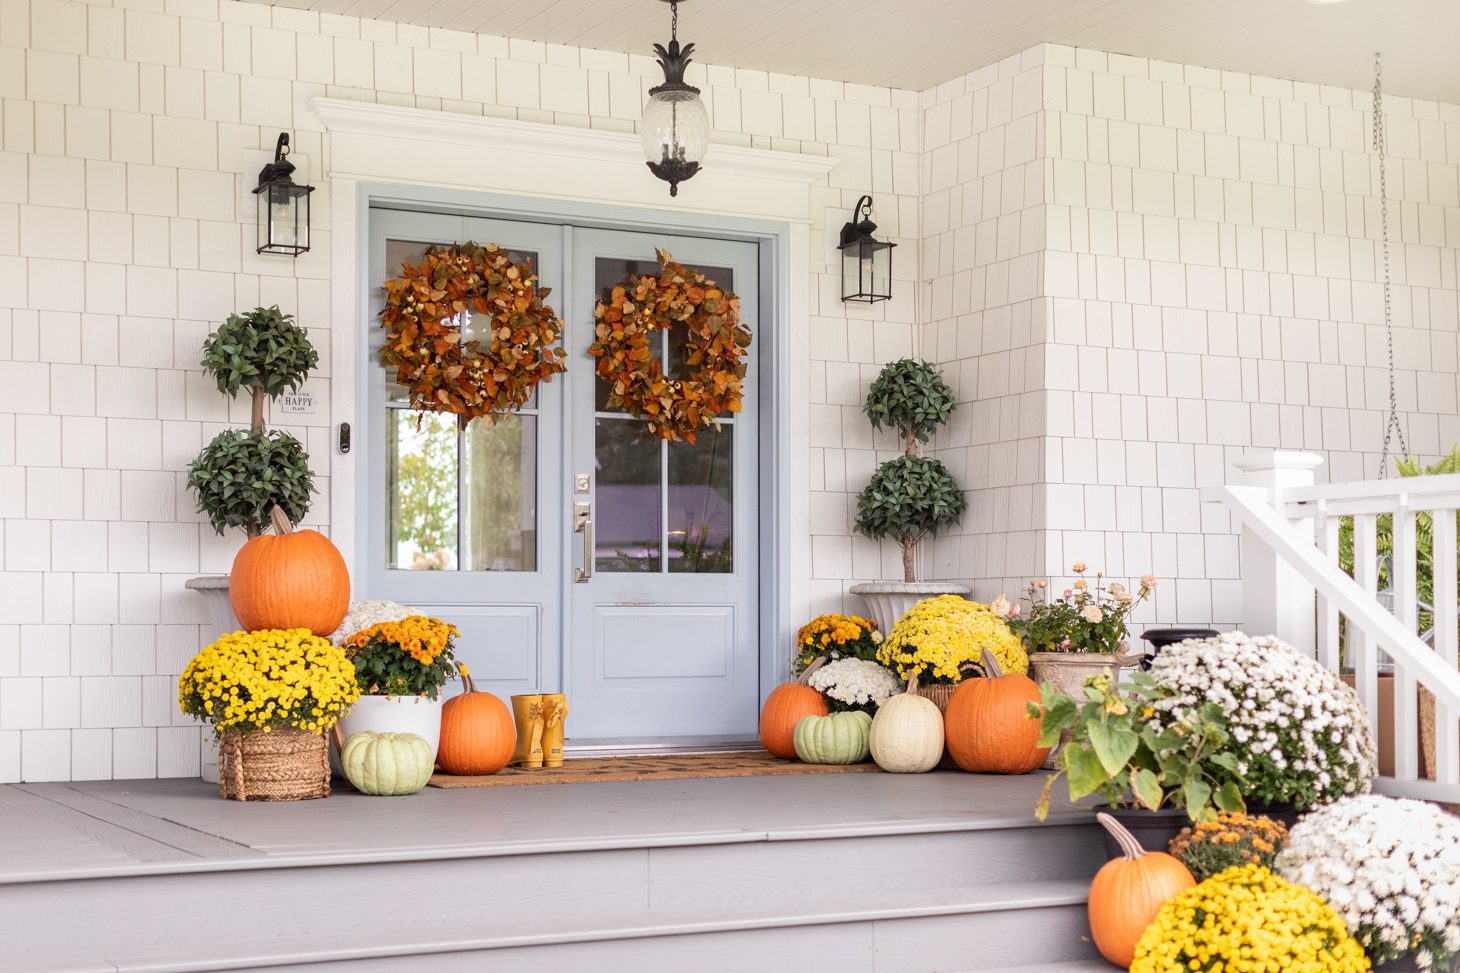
{"points": [[907, 733]]}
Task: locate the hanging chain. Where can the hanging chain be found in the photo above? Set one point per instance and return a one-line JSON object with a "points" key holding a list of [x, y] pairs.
{"points": [[674, 21], [1393, 428]]}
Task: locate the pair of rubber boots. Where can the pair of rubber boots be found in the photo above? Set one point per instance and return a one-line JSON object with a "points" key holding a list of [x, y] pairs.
{"points": [[540, 722]]}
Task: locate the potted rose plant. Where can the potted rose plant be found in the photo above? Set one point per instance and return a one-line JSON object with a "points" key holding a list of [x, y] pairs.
{"points": [[910, 496], [1081, 633], [1157, 769], [400, 667]]}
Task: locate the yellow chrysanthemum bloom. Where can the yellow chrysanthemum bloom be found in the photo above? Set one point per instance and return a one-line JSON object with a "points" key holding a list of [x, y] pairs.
{"points": [[1247, 920], [273, 677], [939, 636]]}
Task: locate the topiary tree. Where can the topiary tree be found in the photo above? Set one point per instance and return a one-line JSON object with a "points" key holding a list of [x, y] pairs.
{"points": [[912, 496], [240, 476]]}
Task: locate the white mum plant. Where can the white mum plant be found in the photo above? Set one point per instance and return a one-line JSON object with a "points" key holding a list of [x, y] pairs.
{"points": [[854, 684], [1300, 734], [1390, 868], [363, 614]]}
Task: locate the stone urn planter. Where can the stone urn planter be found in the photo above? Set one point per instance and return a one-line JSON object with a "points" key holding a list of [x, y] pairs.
{"points": [[1067, 671], [213, 589], [887, 601]]}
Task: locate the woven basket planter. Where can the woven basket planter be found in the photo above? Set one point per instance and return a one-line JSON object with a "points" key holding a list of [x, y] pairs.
{"points": [[284, 764], [940, 695]]}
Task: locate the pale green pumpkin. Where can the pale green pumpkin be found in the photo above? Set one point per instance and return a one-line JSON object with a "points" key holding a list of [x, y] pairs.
{"points": [[387, 764], [841, 738]]}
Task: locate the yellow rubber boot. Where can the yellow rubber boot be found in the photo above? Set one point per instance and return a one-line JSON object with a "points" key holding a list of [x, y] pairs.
{"points": [[555, 718], [527, 712]]}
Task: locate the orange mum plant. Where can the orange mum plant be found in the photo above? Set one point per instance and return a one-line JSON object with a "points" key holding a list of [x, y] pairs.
{"points": [[425, 310], [628, 342]]}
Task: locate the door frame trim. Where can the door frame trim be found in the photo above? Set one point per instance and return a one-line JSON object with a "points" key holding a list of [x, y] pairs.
{"points": [[784, 587]]}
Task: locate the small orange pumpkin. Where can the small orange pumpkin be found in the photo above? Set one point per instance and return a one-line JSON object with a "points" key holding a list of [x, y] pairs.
{"points": [[1127, 892], [988, 726], [289, 579], [477, 733], [785, 707]]}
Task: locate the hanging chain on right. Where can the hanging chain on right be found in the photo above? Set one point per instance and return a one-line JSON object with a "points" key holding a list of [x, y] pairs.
{"points": [[1393, 428]]}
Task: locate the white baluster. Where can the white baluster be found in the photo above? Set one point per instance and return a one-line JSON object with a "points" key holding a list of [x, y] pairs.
{"points": [[1361, 653], [1402, 577], [1447, 645], [1328, 629]]}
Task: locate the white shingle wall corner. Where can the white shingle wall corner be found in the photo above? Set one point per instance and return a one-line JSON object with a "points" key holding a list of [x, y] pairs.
{"points": [[129, 139], [1213, 276]]}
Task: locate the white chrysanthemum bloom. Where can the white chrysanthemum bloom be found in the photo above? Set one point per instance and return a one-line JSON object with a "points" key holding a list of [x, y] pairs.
{"points": [[363, 614], [855, 682], [1300, 733], [1390, 867]]}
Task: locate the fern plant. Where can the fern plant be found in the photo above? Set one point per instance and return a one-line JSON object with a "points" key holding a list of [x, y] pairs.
{"points": [[911, 496]]}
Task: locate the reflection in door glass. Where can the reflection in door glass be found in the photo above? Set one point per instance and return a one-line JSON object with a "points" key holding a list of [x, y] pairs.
{"points": [[701, 503], [422, 490], [674, 359], [501, 495], [608, 273], [628, 529]]}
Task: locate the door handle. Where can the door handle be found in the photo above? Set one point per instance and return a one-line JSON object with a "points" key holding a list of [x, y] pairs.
{"points": [[583, 524]]}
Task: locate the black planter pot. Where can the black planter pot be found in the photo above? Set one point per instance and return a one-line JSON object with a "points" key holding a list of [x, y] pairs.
{"points": [[1153, 829], [1286, 813], [1162, 637]]}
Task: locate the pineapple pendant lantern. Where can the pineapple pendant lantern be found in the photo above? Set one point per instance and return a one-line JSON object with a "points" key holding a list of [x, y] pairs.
{"points": [[676, 127]]}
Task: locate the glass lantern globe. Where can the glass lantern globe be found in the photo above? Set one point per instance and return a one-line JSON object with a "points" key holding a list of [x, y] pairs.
{"points": [[675, 133]]}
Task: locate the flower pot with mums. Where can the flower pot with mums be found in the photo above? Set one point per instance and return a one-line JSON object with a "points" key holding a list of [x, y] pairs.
{"points": [[1155, 769], [1247, 918], [834, 637], [854, 684], [1300, 737], [1209, 847], [400, 667], [911, 496], [270, 696], [1391, 869]]}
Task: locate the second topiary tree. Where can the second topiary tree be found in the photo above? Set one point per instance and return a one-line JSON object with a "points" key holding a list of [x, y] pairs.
{"points": [[912, 496]]}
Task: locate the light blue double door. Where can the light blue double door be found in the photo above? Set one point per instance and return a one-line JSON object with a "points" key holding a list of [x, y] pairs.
{"points": [[574, 550]]}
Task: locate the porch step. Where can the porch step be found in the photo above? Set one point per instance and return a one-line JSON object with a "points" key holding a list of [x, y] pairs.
{"points": [[990, 925]]}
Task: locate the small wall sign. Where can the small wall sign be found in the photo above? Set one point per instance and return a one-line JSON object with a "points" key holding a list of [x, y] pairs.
{"points": [[299, 403]]}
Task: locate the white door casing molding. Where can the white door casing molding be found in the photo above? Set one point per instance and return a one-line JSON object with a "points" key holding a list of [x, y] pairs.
{"points": [[382, 153]]}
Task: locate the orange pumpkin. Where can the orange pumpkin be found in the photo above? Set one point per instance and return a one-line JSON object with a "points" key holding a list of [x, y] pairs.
{"points": [[289, 579], [1127, 892], [477, 733], [784, 708], [988, 727]]}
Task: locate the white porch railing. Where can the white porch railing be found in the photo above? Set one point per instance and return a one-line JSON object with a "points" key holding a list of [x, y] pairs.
{"points": [[1290, 554]]}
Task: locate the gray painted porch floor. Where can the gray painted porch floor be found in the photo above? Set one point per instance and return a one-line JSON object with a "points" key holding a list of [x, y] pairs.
{"points": [[79, 830]]}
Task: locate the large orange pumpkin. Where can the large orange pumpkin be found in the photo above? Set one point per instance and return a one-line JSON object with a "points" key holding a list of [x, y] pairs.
{"points": [[987, 724], [1127, 892], [289, 579], [477, 733], [784, 708]]}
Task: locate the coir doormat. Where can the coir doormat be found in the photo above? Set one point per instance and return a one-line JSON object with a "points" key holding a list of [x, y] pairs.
{"points": [[680, 766]]}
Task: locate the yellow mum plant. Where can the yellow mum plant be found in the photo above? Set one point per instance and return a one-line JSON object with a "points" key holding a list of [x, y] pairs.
{"points": [[939, 636], [270, 678], [1247, 920]]}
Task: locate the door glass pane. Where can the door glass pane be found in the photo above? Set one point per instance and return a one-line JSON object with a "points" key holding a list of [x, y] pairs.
{"points": [[674, 363], [500, 495], [608, 273], [701, 503], [422, 490], [627, 524]]}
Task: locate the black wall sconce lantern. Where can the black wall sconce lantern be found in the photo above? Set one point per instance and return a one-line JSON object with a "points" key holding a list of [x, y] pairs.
{"points": [[676, 128], [283, 205], [866, 260]]}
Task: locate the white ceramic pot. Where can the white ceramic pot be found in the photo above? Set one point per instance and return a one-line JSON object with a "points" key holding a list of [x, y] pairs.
{"points": [[396, 714], [888, 601]]}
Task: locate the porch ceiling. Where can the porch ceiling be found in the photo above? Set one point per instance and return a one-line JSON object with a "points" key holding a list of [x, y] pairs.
{"points": [[919, 43]]}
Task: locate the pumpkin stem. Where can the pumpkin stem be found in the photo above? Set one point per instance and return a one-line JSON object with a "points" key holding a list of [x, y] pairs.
{"points": [[1130, 848], [466, 680], [991, 667], [912, 683], [281, 521], [817, 663]]}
